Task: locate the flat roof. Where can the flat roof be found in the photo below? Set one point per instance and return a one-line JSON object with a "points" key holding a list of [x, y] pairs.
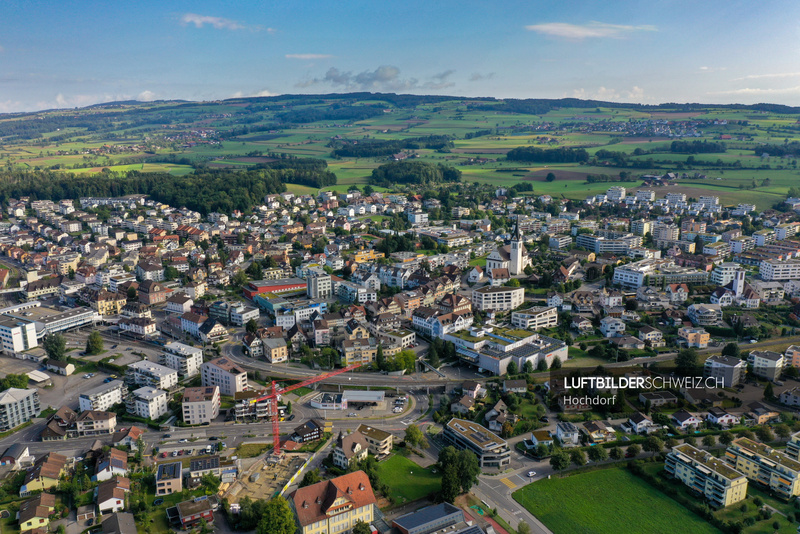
{"points": [[363, 396], [767, 452], [475, 433], [102, 388], [169, 471], [374, 433], [715, 464]]}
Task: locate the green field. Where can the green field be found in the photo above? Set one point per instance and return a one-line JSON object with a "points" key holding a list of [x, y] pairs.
{"points": [[406, 480], [606, 501]]}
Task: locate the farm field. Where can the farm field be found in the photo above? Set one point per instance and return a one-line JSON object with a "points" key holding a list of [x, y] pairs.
{"points": [[606, 501]]}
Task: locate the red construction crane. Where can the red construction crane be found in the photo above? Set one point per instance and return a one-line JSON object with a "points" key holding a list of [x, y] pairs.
{"points": [[272, 398]]}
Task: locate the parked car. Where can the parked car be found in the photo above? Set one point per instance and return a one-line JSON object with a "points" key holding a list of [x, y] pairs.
{"points": [[183, 440], [290, 418], [163, 454], [213, 438], [531, 473]]}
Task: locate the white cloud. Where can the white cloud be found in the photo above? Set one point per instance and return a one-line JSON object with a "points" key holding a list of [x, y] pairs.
{"points": [[242, 94], [440, 81], [308, 56], [593, 29], [11, 106], [635, 94], [146, 96], [756, 91], [477, 76], [384, 78], [219, 23], [768, 76]]}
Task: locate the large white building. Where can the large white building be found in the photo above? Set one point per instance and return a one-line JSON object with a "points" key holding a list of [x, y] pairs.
{"points": [[18, 406], [319, 285], [103, 397], [780, 270], [498, 298], [535, 318], [147, 402], [16, 336], [724, 273], [183, 358], [226, 374], [145, 373]]}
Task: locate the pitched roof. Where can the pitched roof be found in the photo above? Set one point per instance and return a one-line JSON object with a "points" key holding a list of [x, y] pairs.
{"points": [[317, 502]]}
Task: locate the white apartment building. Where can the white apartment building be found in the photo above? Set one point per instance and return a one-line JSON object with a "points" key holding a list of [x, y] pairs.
{"points": [[780, 270], [498, 298], [200, 405], [319, 286], [183, 358], [724, 273], [535, 318], [103, 397], [615, 194], [18, 406], [645, 195], [16, 335], [147, 402], [226, 374], [145, 373]]}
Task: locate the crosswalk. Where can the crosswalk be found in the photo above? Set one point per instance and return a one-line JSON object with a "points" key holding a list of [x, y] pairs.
{"points": [[508, 483]]}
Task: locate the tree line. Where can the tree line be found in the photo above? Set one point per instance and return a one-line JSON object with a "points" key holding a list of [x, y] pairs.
{"points": [[696, 147], [371, 148], [413, 172], [553, 155]]}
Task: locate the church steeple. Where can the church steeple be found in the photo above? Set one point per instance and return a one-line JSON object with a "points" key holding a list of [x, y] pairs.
{"points": [[517, 235]]}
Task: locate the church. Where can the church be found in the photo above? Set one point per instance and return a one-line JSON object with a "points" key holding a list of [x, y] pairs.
{"points": [[513, 256]]}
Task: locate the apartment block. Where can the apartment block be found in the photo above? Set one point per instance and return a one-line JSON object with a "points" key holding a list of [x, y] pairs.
{"points": [[535, 318], [224, 373], [766, 364], [169, 478], [16, 335], [779, 270], [200, 404], [491, 450], [498, 298], [727, 370], [147, 402], [183, 358], [103, 397], [765, 466], [379, 441], [146, 373], [18, 406], [712, 477]]}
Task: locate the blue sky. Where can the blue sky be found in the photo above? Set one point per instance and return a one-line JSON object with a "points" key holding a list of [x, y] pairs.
{"points": [[74, 53]]}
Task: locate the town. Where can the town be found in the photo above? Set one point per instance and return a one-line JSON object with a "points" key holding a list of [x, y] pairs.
{"points": [[327, 360]]}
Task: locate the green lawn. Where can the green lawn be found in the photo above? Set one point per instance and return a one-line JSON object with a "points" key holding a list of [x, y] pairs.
{"points": [[406, 480], [607, 501]]}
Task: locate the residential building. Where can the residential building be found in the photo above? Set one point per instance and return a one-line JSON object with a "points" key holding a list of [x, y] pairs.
{"points": [[766, 364], [491, 450], [147, 402], [720, 484], [792, 356], [183, 358], [44, 474], [200, 404], [319, 285], [110, 495], [498, 298], [190, 513], [18, 406], [727, 370], [612, 326], [169, 478], [704, 314], [311, 430], [146, 373], [765, 466], [16, 336], [103, 396], [653, 336], [535, 318], [35, 512], [95, 423], [774, 269], [112, 463], [567, 433], [275, 349], [224, 373], [379, 441], [334, 506], [349, 449], [694, 337]]}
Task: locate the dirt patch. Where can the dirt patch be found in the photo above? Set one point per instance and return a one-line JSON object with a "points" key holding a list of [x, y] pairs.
{"points": [[480, 150], [676, 114], [541, 175]]}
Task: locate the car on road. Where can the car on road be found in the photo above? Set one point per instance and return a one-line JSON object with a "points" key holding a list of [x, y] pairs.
{"points": [[167, 435], [113, 346], [174, 453], [352, 414], [213, 438], [87, 376], [544, 419], [290, 418], [183, 440], [163, 454], [107, 380], [531, 473]]}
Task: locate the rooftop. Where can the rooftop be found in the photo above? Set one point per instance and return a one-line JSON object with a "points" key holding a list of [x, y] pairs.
{"points": [[704, 458], [475, 433]]}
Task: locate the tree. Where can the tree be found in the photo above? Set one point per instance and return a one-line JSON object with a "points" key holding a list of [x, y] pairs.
{"points": [[277, 518], [631, 305], [550, 177], [559, 460], [731, 349], [514, 282], [210, 483], [726, 438], [94, 345], [598, 454], [415, 437], [311, 477], [528, 367], [634, 450], [254, 270], [577, 457], [769, 391], [56, 347], [542, 450], [171, 273], [433, 357], [616, 453], [541, 366], [523, 528], [131, 293], [512, 368], [251, 326], [464, 468], [653, 444], [783, 430], [450, 486], [764, 433], [360, 527], [380, 361], [686, 362], [239, 279], [14, 381], [556, 365], [709, 441]]}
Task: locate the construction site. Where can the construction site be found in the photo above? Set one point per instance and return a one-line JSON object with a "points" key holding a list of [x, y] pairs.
{"points": [[264, 477]]}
